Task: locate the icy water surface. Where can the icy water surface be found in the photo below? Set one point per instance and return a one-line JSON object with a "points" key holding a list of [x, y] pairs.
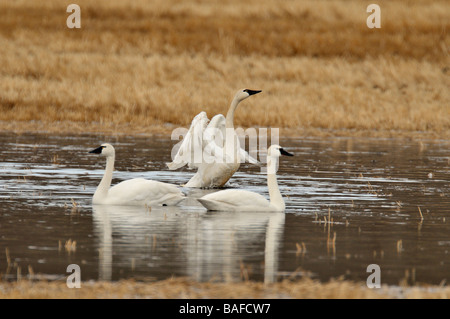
{"points": [[349, 203]]}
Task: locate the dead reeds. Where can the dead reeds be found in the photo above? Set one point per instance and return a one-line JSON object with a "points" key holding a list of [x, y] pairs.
{"points": [[159, 63], [176, 288]]}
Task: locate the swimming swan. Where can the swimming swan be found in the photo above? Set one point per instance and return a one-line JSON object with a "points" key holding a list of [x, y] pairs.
{"points": [[242, 200], [213, 148], [135, 192]]}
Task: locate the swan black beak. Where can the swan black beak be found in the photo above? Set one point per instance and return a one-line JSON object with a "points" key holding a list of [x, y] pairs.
{"points": [[98, 150], [252, 92], [283, 152]]}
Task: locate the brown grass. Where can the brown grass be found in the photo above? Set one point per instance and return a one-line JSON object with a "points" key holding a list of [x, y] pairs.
{"points": [[177, 288], [138, 65]]}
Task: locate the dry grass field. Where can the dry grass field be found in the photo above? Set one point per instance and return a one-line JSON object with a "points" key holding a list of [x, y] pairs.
{"points": [[181, 288], [150, 66]]}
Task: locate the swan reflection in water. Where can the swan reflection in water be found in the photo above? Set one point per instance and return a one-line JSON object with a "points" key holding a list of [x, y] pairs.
{"points": [[167, 241]]}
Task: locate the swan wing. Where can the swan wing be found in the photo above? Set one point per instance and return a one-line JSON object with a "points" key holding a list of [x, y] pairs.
{"points": [[237, 198], [217, 126], [192, 145], [205, 143], [140, 190], [214, 140], [215, 134], [245, 157]]}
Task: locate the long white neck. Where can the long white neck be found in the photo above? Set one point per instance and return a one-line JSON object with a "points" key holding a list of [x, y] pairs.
{"points": [[230, 114], [276, 199], [105, 184], [232, 146]]}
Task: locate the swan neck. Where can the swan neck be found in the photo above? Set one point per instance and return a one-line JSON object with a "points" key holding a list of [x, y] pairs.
{"points": [[274, 192], [105, 184], [230, 114]]}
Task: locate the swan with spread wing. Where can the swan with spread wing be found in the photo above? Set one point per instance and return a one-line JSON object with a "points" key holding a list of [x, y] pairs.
{"points": [[213, 147]]}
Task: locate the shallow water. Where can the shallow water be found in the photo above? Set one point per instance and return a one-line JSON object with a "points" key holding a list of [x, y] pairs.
{"points": [[350, 203]]}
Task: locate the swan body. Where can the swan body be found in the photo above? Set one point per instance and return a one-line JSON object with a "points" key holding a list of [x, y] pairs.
{"points": [[213, 147], [133, 192], [242, 200]]}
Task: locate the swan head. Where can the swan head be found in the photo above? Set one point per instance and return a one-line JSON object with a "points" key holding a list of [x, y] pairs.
{"points": [[105, 149], [273, 153], [277, 151], [245, 93]]}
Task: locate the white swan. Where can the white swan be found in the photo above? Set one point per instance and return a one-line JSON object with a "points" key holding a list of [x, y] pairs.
{"points": [[213, 148], [135, 192], [242, 200]]}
